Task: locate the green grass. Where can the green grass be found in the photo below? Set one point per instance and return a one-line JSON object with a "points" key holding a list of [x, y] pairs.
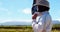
{"points": [[21, 29]]}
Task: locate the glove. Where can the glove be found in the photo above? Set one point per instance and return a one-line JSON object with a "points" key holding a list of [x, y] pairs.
{"points": [[34, 16]]}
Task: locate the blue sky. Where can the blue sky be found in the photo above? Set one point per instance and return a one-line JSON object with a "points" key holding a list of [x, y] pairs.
{"points": [[20, 10]]}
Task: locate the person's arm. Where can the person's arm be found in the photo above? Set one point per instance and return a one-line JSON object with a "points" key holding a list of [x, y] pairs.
{"points": [[44, 26], [47, 23], [34, 19]]}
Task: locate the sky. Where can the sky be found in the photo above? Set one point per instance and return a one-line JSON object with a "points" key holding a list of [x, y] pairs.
{"points": [[20, 10]]}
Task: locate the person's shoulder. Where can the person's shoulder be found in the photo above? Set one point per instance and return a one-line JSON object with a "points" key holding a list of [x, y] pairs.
{"points": [[48, 17]]}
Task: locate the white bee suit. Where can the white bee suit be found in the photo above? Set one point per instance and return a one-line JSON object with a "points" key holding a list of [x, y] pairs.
{"points": [[44, 22]]}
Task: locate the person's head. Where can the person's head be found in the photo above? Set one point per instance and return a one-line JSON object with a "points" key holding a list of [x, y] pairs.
{"points": [[41, 7]]}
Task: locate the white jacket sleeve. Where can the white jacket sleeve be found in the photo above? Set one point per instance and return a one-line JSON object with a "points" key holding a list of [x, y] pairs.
{"points": [[48, 23]]}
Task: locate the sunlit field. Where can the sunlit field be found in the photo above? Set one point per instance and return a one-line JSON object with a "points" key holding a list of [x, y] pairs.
{"points": [[23, 29]]}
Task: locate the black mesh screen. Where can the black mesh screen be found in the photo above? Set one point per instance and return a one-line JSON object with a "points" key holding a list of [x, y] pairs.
{"points": [[40, 9]]}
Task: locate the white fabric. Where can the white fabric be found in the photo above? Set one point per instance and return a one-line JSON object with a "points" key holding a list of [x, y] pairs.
{"points": [[45, 22]]}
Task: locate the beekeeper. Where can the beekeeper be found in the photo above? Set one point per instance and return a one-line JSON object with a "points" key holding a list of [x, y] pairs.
{"points": [[41, 19]]}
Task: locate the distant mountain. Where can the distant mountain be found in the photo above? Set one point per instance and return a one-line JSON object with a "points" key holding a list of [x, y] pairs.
{"points": [[16, 23], [24, 23], [56, 22]]}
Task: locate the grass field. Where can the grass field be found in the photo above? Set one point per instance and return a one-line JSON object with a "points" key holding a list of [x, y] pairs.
{"points": [[19, 29]]}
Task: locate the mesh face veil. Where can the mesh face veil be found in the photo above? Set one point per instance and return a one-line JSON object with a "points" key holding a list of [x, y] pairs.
{"points": [[39, 8]]}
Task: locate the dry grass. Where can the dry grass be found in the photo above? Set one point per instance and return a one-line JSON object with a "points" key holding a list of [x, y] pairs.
{"points": [[21, 30]]}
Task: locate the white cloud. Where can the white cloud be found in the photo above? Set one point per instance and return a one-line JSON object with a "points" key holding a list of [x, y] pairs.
{"points": [[3, 9], [57, 19], [27, 11], [6, 10], [9, 13]]}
